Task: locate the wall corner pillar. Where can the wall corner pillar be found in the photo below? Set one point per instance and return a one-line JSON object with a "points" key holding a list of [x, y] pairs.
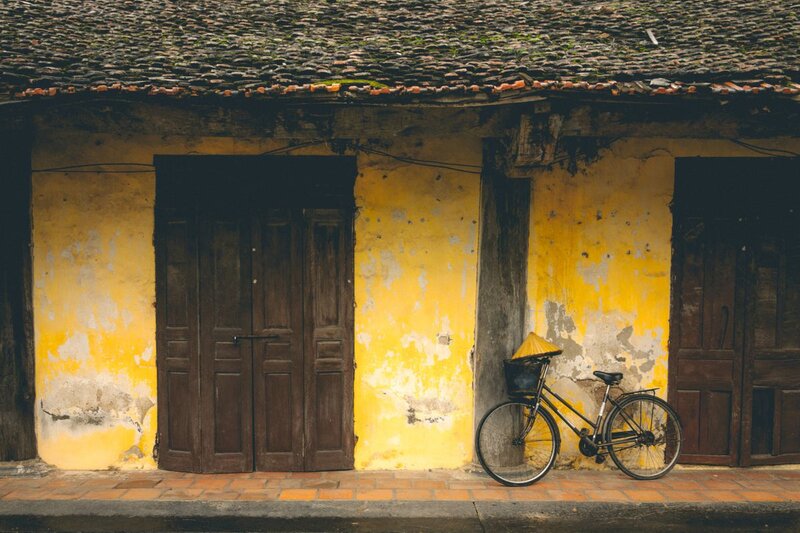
{"points": [[502, 274], [17, 397]]}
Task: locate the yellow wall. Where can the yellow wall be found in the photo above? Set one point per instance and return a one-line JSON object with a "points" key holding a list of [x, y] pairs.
{"points": [[416, 255], [598, 285], [599, 264], [94, 294]]}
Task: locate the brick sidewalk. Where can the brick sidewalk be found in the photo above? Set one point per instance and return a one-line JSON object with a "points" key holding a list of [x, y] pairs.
{"points": [[681, 485]]}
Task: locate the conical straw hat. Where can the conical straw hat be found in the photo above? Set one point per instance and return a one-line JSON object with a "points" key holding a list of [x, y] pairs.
{"points": [[535, 346]]}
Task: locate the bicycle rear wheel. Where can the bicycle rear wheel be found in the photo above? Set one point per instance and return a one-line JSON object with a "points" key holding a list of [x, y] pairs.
{"points": [[651, 435], [515, 448]]}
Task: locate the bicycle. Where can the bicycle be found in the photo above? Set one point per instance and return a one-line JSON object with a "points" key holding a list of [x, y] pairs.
{"points": [[517, 441]]}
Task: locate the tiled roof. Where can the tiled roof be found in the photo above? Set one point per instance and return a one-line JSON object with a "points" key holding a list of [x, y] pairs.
{"points": [[385, 47]]}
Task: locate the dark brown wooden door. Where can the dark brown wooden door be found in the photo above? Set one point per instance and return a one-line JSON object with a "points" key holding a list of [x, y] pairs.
{"points": [[772, 363], [254, 312], [706, 348], [328, 364], [734, 340], [226, 400], [177, 312], [278, 313], [303, 307]]}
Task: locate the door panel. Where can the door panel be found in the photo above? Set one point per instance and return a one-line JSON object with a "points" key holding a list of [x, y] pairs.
{"points": [[278, 313], [705, 374], [177, 311], [772, 364], [789, 432], [329, 362], [226, 365]]}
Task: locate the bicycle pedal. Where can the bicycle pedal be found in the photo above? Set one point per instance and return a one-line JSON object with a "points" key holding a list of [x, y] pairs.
{"points": [[599, 459]]}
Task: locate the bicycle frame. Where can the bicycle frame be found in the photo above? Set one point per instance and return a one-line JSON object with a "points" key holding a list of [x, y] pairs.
{"points": [[597, 426]]}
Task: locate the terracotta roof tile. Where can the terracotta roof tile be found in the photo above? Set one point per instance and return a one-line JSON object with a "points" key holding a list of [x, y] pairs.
{"points": [[413, 47]]}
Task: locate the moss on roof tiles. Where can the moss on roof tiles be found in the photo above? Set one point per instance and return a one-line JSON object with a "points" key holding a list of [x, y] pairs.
{"points": [[235, 45]]}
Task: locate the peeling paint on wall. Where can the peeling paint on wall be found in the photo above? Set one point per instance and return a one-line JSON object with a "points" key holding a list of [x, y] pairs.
{"points": [[428, 410], [98, 401], [608, 344], [390, 268], [593, 273], [75, 348]]}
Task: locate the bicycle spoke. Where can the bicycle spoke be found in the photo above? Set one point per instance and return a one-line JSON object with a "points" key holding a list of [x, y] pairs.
{"points": [[640, 416], [650, 456], [652, 409]]}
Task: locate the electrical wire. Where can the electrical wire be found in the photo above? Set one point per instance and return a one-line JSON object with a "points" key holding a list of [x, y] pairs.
{"points": [[764, 150], [420, 162], [104, 165], [82, 169], [292, 147], [467, 165], [79, 169], [758, 151], [45, 171], [76, 169]]}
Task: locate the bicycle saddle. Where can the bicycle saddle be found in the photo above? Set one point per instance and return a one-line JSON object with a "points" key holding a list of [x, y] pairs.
{"points": [[609, 378]]}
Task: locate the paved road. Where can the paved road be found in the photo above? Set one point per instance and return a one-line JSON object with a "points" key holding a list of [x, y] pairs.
{"points": [[93, 516]]}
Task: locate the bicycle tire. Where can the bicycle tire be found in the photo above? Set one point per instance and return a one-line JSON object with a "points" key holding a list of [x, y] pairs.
{"points": [[507, 461], [649, 460]]}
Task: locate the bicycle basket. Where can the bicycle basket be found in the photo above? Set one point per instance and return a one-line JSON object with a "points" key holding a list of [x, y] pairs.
{"points": [[522, 375]]}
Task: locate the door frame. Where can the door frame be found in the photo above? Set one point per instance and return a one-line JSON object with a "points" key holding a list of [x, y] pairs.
{"points": [[184, 174]]}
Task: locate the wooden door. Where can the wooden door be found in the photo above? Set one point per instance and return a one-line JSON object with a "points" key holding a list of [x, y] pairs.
{"points": [[177, 325], [254, 314], [329, 363], [226, 399], [706, 340], [736, 277], [771, 399], [303, 312], [278, 313]]}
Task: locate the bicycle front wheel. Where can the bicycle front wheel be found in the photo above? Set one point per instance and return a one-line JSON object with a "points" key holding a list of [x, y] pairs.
{"points": [[513, 446], [647, 434]]}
